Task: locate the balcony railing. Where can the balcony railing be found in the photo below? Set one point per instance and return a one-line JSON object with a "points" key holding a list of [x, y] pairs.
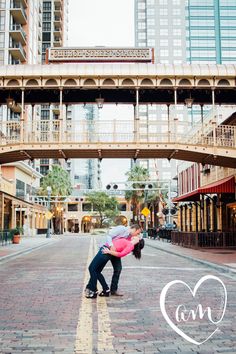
{"points": [[18, 34], [17, 51], [122, 131], [18, 12], [204, 239]]}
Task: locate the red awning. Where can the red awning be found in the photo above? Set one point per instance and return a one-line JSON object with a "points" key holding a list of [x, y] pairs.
{"points": [[226, 185]]}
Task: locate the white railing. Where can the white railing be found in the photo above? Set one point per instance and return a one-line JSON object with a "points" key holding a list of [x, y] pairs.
{"points": [[83, 131]]}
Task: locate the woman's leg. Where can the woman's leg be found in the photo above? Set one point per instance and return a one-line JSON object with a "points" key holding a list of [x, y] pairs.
{"points": [[95, 269]]}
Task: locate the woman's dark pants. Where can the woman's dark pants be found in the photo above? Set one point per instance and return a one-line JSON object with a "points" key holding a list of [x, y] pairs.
{"points": [[95, 269], [117, 268]]}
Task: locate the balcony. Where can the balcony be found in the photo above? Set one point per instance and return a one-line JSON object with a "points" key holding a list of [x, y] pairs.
{"points": [[56, 108], [57, 42], [57, 19], [58, 9], [18, 12], [57, 33], [25, 3], [18, 34], [17, 51]]}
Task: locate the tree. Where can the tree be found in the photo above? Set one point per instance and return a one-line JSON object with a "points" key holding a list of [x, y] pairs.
{"points": [[137, 173], [59, 180], [104, 205]]}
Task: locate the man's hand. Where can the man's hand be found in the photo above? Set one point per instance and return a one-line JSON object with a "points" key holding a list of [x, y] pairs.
{"points": [[106, 250]]}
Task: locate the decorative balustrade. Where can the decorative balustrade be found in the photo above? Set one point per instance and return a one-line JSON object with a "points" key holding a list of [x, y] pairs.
{"points": [[123, 131]]}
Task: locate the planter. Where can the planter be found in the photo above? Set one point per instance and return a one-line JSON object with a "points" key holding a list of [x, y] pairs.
{"points": [[16, 239]]}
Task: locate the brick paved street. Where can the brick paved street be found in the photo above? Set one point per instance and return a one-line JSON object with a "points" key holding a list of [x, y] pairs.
{"points": [[43, 309]]}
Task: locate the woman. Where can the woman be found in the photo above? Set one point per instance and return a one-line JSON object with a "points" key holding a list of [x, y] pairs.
{"points": [[121, 247]]}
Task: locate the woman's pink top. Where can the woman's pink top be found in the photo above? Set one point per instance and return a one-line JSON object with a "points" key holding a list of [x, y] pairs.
{"points": [[122, 246]]}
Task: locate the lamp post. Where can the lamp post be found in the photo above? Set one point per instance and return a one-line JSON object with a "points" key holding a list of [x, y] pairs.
{"points": [[145, 217], [49, 190]]}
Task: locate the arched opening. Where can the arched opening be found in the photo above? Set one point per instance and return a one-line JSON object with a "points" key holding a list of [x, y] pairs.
{"points": [[13, 83], [32, 82], [223, 82], [166, 82], [70, 82], [146, 82], [128, 82], [108, 82], [203, 82], [86, 224], [121, 220], [51, 82], [185, 82], [89, 82]]}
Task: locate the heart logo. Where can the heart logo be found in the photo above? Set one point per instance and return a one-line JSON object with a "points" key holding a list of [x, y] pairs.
{"points": [[199, 283]]}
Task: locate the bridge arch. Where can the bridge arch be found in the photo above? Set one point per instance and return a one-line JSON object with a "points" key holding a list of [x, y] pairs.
{"points": [[13, 82], [108, 82], [89, 82], [32, 82], [185, 82], [203, 82], [147, 82], [166, 82], [51, 82], [127, 82], [223, 82], [70, 82]]}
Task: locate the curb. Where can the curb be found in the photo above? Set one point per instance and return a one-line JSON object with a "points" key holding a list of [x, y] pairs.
{"points": [[224, 269], [25, 251]]}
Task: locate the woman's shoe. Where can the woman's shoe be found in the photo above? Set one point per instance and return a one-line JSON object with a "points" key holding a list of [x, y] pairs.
{"points": [[105, 293], [90, 294]]}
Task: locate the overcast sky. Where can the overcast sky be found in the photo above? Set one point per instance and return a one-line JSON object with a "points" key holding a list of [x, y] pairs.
{"points": [[104, 23]]}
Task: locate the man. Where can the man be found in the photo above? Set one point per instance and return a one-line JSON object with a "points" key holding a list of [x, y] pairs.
{"points": [[116, 233]]}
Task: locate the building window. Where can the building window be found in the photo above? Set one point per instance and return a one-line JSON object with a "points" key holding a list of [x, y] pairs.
{"points": [[2, 4], [47, 6], [163, 21], [73, 207], [47, 16], [164, 42], [142, 6], [44, 170], [163, 12], [164, 32], [164, 52], [2, 20], [142, 35], [177, 53], [176, 22], [176, 12], [151, 32], [20, 189], [141, 25], [163, 2], [46, 26], [150, 22], [141, 15], [150, 12], [151, 42]]}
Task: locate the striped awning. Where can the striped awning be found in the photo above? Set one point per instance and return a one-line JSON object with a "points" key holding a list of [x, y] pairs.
{"points": [[226, 185]]}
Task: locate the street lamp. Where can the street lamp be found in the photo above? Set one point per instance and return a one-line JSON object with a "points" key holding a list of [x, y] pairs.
{"points": [[49, 190], [99, 102]]}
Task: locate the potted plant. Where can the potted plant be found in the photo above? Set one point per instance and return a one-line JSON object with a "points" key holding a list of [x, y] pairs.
{"points": [[16, 235]]}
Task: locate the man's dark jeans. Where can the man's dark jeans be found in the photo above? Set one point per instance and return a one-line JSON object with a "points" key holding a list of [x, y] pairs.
{"points": [[117, 268], [95, 269]]}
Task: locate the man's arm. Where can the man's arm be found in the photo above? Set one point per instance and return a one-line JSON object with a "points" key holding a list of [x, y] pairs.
{"points": [[117, 231]]}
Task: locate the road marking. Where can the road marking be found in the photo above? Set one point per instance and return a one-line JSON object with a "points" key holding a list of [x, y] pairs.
{"points": [[84, 331], [105, 337]]}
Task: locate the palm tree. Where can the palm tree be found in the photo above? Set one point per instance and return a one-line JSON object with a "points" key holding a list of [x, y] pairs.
{"points": [[59, 180], [136, 197]]}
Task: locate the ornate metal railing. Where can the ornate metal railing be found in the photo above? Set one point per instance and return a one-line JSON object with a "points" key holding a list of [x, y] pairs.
{"points": [[123, 131], [204, 239]]}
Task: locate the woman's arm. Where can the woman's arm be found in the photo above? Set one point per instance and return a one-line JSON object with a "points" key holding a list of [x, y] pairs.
{"points": [[121, 254], [110, 251]]}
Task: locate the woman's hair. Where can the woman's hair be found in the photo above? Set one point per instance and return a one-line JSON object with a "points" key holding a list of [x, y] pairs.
{"points": [[137, 249], [135, 226]]}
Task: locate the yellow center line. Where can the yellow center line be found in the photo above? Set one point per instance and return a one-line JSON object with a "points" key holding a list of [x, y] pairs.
{"points": [[105, 337], [84, 331]]}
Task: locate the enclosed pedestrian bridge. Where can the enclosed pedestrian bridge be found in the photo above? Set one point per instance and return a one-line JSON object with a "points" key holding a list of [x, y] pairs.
{"points": [[24, 87]]}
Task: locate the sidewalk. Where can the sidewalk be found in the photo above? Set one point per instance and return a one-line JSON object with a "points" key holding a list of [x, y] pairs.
{"points": [[26, 244], [220, 259]]}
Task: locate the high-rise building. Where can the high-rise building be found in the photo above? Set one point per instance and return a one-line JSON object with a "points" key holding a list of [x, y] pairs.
{"points": [[54, 34], [161, 24], [180, 31], [211, 31]]}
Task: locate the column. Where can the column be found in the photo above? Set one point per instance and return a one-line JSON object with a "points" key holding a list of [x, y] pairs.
{"points": [[136, 117], [22, 118], [61, 120]]}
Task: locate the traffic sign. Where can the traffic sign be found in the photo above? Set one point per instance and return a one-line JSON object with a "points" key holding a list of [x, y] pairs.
{"points": [[145, 211]]}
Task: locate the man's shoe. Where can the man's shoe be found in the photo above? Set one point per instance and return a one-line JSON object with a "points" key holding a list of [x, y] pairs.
{"points": [[105, 293], [116, 293]]}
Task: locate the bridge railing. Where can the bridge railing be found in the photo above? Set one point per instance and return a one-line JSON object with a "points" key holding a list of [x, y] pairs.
{"points": [[123, 131]]}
